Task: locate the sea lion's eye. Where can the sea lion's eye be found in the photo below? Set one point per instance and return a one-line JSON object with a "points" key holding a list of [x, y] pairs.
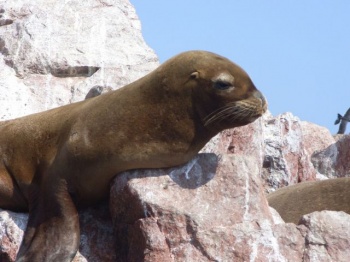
{"points": [[222, 85], [194, 75]]}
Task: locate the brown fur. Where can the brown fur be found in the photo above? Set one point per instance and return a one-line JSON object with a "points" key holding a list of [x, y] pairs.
{"points": [[294, 201], [54, 160]]}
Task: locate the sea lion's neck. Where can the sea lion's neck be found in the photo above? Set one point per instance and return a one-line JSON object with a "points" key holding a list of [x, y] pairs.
{"points": [[166, 115]]}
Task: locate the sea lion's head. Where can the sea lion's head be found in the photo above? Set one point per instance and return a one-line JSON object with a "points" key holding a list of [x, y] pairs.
{"points": [[222, 93]]}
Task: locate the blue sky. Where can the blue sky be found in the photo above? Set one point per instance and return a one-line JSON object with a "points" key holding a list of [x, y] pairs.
{"points": [[296, 52]]}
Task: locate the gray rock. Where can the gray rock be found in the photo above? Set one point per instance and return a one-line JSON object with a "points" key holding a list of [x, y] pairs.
{"points": [[333, 161], [53, 52], [328, 236], [96, 238]]}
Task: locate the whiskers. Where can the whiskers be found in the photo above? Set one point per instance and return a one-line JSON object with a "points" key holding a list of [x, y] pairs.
{"points": [[234, 113]]}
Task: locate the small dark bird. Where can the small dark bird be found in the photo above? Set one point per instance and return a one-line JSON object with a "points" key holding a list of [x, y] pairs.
{"points": [[94, 91], [343, 120]]}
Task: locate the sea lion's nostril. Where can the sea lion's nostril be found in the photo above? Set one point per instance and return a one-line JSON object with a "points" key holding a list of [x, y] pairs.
{"points": [[260, 96]]}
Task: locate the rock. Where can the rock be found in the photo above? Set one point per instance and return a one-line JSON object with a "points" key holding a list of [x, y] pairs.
{"points": [[96, 239], [177, 206], [190, 214], [276, 217], [53, 52], [286, 160], [334, 161], [328, 236], [316, 138], [282, 145], [11, 232], [245, 140], [253, 241], [289, 241], [338, 136], [94, 91]]}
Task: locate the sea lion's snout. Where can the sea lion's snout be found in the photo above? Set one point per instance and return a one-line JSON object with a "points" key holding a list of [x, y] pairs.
{"points": [[257, 94]]}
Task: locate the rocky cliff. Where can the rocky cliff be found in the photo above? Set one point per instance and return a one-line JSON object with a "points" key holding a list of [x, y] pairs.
{"points": [[211, 209], [53, 52]]}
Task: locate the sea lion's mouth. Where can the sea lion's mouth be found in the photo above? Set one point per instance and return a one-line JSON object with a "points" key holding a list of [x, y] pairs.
{"points": [[238, 112]]}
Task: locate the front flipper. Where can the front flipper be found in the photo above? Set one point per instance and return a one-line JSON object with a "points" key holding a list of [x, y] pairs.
{"points": [[52, 232]]}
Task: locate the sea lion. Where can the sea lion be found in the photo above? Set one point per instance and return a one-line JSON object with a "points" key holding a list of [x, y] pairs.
{"points": [[58, 159], [292, 202]]}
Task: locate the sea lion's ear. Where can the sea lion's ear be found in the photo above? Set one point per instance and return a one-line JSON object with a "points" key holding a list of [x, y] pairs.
{"points": [[195, 75]]}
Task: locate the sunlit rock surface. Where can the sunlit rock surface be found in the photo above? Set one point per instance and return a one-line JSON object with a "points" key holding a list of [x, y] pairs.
{"points": [[53, 52], [334, 161], [327, 237], [192, 213], [282, 146]]}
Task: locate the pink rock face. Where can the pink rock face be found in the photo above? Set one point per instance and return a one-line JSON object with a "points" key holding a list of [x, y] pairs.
{"points": [[191, 214], [286, 159], [49, 59], [342, 165], [178, 207], [96, 235], [334, 161], [246, 140], [96, 238], [282, 145], [316, 138], [328, 236], [11, 232]]}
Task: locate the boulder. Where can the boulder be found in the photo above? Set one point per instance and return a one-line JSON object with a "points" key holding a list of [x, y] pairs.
{"points": [[53, 52], [282, 146], [334, 161], [211, 209], [97, 240], [316, 138], [214, 209], [12, 226], [327, 236], [286, 159]]}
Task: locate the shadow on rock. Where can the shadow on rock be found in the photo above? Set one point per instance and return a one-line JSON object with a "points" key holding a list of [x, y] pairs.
{"points": [[194, 174], [197, 172]]}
